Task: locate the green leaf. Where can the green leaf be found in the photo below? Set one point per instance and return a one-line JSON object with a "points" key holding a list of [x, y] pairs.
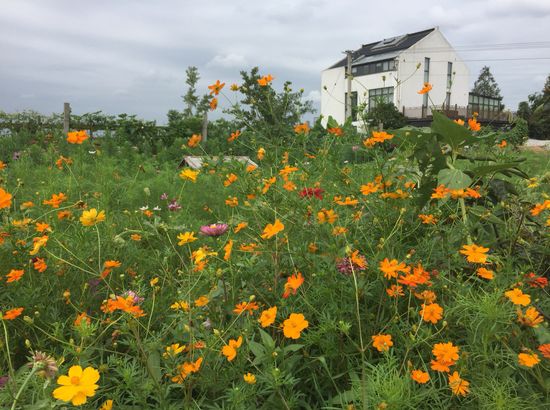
{"points": [[488, 169], [453, 178], [267, 340], [257, 349], [153, 365], [450, 132], [292, 348], [331, 122]]}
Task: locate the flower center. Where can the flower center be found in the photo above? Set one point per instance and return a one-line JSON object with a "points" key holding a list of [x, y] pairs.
{"points": [[75, 380]]}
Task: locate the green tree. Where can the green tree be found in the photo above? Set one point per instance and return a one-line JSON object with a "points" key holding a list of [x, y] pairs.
{"points": [[385, 113], [190, 98], [539, 121], [266, 111], [486, 84]]}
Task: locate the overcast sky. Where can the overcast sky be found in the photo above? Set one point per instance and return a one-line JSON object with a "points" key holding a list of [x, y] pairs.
{"points": [[130, 55]]}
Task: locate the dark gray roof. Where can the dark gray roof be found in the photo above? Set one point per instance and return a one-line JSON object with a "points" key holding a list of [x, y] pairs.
{"points": [[372, 49]]}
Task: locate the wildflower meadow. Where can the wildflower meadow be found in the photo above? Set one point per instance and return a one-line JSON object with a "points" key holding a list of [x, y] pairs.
{"points": [[340, 268]]}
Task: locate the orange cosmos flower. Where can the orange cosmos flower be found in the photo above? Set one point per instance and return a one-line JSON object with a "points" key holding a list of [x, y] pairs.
{"points": [[230, 179], [475, 253], [427, 296], [294, 325], [12, 313], [382, 342], [427, 87], [336, 131], [26, 205], [64, 215], [125, 304], [485, 273], [327, 216], [14, 275], [228, 248], [528, 359], [82, 317], [545, 350], [202, 301], [42, 226], [246, 307], [213, 104], [234, 136], [530, 318], [38, 243], [2, 165], [232, 201], [446, 351], [292, 284], [458, 386], [428, 219], [240, 226], [459, 121], [390, 268], [249, 378], [5, 199], [55, 200], [194, 140], [420, 377], [538, 208], [261, 153], [216, 87], [369, 188], [186, 369], [431, 313], [230, 350], [301, 128], [395, 291], [40, 265], [265, 80], [440, 192], [473, 124], [517, 297], [77, 137], [267, 318], [271, 230]]}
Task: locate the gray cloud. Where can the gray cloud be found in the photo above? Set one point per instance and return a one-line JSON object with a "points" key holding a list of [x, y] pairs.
{"points": [[131, 55]]}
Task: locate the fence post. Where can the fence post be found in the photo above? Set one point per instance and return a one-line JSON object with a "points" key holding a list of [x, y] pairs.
{"points": [[66, 117]]}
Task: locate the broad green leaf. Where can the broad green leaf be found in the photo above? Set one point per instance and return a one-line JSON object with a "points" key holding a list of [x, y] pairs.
{"points": [[453, 134], [488, 169], [153, 364], [267, 340], [257, 349], [453, 178]]}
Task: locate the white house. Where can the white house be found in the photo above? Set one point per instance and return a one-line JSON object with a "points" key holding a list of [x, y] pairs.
{"points": [[393, 70]]}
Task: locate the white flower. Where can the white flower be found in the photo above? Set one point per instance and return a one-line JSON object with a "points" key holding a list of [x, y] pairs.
{"points": [[144, 208]]}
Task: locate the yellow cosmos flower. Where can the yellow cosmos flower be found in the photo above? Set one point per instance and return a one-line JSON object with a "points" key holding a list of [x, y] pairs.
{"points": [[249, 378], [186, 237], [189, 175], [77, 386], [92, 217]]}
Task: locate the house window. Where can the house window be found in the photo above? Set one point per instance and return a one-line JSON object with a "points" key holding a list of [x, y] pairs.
{"points": [[482, 104], [449, 84], [377, 95], [373, 68], [353, 104], [426, 79]]}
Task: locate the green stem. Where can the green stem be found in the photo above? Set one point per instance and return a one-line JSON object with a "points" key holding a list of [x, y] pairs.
{"points": [[22, 388]]}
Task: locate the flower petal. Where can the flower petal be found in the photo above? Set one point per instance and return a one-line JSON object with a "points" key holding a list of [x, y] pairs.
{"points": [[65, 393]]}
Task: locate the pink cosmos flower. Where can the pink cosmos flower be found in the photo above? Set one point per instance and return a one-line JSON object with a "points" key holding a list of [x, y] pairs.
{"points": [[214, 229]]}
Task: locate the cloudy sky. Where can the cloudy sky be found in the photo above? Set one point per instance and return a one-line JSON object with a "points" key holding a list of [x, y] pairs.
{"points": [[130, 55]]}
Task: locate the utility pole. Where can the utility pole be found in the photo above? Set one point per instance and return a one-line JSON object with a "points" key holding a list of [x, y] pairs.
{"points": [[348, 112], [66, 117]]}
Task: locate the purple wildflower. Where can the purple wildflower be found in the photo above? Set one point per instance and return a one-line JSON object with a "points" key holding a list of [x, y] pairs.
{"points": [[135, 298], [174, 205], [164, 196], [346, 267]]}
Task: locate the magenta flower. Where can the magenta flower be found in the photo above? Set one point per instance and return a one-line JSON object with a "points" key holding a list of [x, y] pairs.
{"points": [[214, 229], [346, 267], [135, 298], [164, 196], [174, 205]]}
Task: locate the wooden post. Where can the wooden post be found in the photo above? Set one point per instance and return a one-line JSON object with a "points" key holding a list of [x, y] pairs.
{"points": [[205, 126], [66, 117]]}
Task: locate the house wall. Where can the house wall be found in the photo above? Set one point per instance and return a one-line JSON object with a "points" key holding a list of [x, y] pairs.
{"points": [[440, 52], [406, 80]]}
